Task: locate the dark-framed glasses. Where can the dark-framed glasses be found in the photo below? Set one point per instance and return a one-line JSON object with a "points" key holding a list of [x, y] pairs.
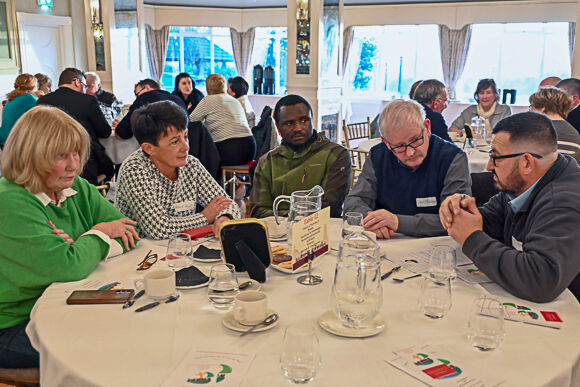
{"points": [[413, 144], [139, 91], [148, 261], [494, 158]]}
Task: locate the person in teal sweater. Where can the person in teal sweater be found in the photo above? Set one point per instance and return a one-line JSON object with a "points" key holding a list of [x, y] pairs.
{"points": [[20, 100], [55, 226]]}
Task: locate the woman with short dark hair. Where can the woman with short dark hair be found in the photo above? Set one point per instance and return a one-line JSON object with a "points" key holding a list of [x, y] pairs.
{"points": [[238, 88], [488, 108], [185, 89]]}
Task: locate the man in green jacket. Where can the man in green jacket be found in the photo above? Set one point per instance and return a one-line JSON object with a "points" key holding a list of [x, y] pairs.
{"points": [[305, 159]]}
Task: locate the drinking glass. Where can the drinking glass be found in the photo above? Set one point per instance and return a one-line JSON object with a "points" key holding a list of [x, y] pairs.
{"points": [[442, 263], [300, 358], [179, 251], [435, 297], [223, 286], [485, 328], [352, 222]]}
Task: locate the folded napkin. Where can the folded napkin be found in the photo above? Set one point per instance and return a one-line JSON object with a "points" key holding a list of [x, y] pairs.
{"points": [[203, 252], [190, 276]]}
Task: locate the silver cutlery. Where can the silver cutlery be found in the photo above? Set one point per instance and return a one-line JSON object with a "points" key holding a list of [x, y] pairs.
{"points": [[271, 319], [399, 280]]}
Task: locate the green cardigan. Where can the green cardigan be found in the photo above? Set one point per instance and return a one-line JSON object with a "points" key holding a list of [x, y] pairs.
{"points": [[32, 257]]}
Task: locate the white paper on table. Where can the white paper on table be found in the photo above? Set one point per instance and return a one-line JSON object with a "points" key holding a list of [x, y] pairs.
{"points": [[418, 261], [435, 367], [96, 284], [471, 274], [210, 369], [529, 315]]}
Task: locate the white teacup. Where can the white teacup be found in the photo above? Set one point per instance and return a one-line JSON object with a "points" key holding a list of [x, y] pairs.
{"points": [[251, 307], [159, 284]]}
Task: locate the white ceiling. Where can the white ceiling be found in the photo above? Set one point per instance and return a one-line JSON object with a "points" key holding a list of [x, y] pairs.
{"points": [[280, 3]]}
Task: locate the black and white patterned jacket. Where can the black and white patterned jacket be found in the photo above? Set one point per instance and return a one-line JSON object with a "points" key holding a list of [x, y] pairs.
{"points": [[161, 206]]}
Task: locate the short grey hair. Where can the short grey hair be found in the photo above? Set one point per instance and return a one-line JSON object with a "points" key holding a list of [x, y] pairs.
{"points": [[95, 76], [428, 91], [399, 113]]}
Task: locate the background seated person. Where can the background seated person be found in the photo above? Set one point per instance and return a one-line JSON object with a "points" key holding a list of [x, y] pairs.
{"points": [[432, 95], [305, 159], [185, 89], [572, 87], [225, 118], [556, 104], [56, 227], [146, 91], [486, 96], [526, 237], [160, 184], [407, 176], [238, 88]]}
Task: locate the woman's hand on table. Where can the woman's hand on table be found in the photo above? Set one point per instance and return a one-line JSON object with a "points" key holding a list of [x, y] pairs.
{"points": [[217, 224], [217, 205], [121, 228], [60, 233]]}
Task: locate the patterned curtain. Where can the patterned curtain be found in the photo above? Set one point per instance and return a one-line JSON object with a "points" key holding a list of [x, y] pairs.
{"points": [[571, 40], [156, 42], [348, 39], [243, 45], [454, 45]]}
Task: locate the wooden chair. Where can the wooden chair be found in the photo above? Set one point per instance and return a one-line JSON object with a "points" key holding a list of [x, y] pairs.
{"points": [[103, 189], [356, 131], [20, 377], [233, 174], [357, 159]]}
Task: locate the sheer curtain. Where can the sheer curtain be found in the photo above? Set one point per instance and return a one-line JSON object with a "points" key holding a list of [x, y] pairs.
{"points": [[243, 45], [571, 39], [454, 46], [156, 42], [348, 38]]}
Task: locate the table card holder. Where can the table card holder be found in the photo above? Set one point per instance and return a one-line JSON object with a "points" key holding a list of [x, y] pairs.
{"points": [[255, 268], [310, 239]]}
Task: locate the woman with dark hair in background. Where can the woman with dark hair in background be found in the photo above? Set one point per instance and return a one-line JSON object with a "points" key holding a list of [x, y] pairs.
{"points": [[185, 89], [486, 96], [238, 88], [20, 100]]}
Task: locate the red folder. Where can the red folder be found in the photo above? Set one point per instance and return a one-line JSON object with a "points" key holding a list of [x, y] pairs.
{"points": [[199, 232]]}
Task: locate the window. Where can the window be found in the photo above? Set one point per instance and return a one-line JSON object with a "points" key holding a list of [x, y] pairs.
{"points": [[270, 50], [199, 51], [516, 55], [384, 61]]}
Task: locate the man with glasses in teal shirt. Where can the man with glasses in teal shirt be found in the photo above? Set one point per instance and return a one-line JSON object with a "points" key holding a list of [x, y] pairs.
{"points": [[526, 237], [407, 175]]}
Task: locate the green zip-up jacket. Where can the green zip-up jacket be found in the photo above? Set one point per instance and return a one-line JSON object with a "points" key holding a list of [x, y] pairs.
{"points": [[283, 171]]}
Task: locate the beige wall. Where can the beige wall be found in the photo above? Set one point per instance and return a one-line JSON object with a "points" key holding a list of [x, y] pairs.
{"points": [[61, 7]]}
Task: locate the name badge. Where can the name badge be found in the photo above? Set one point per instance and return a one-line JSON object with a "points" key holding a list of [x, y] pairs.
{"points": [[519, 246], [184, 206], [426, 202]]}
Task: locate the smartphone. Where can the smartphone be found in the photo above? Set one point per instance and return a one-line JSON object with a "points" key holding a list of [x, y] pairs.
{"points": [[112, 296]]}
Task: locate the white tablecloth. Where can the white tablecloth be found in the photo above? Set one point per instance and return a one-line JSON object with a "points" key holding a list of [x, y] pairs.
{"points": [[103, 345]]}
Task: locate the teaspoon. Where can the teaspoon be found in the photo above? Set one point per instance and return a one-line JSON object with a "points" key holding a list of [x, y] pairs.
{"points": [[271, 319]]}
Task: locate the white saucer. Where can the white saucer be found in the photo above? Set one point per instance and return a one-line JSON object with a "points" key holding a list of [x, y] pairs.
{"points": [[194, 286], [301, 269], [201, 260], [330, 323], [255, 285], [230, 322]]}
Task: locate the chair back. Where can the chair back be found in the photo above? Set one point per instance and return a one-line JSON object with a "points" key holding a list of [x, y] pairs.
{"points": [[356, 131], [357, 159]]}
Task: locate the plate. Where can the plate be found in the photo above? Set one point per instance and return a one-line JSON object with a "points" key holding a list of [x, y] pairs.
{"points": [[201, 260], [288, 271], [194, 286], [254, 286], [330, 323], [230, 322]]}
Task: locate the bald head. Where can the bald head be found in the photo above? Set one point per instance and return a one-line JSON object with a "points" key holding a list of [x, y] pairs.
{"points": [[548, 82]]}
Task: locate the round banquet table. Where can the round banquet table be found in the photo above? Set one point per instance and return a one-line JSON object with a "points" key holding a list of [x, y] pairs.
{"points": [[476, 158], [104, 345]]}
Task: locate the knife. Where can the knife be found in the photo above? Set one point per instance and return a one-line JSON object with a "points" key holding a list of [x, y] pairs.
{"points": [[388, 274], [154, 304], [130, 303]]}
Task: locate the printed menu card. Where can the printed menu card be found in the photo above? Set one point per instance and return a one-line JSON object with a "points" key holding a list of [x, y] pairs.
{"points": [[210, 369], [310, 236]]}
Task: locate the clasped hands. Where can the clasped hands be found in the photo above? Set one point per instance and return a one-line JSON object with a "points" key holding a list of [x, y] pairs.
{"points": [[381, 222], [460, 217]]}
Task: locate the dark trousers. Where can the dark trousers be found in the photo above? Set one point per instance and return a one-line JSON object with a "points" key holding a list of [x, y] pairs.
{"points": [[237, 151], [15, 348]]}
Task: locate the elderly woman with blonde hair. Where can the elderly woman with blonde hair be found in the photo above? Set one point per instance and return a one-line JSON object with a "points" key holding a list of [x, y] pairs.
{"points": [[56, 227], [556, 104], [226, 120]]}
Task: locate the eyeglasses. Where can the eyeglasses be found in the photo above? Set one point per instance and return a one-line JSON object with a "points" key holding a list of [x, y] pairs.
{"points": [[494, 158], [139, 91], [148, 261], [413, 144], [84, 85]]}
